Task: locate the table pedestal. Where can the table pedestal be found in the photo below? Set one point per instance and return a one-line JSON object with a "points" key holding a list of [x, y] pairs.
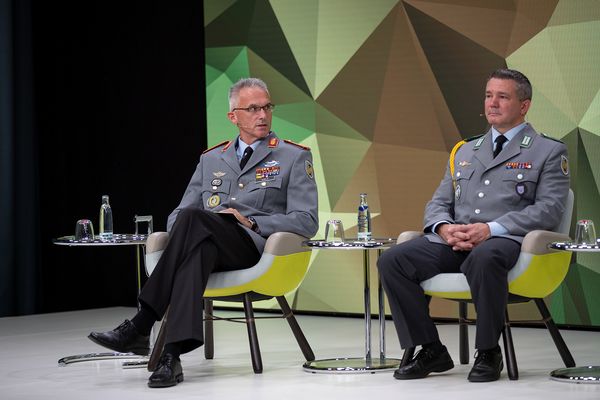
{"points": [[368, 364], [133, 360]]}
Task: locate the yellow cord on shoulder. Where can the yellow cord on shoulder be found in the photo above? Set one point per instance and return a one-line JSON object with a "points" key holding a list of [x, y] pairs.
{"points": [[452, 155]]}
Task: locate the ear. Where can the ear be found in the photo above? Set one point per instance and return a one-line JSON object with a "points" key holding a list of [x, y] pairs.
{"points": [[231, 116], [525, 104]]}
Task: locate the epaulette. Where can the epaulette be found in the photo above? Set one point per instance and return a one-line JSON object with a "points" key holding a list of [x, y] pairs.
{"points": [[227, 142], [473, 137], [296, 144], [551, 138]]}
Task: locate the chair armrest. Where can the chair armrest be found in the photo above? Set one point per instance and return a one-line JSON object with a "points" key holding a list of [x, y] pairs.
{"points": [[408, 235], [157, 241], [536, 242], [284, 243]]}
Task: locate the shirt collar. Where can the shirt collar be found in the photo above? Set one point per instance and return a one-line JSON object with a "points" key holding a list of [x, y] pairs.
{"points": [[509, 134], [240, 146]]}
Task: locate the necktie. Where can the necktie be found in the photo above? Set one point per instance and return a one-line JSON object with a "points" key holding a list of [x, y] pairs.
{"points": [[246, 157], [500, 140]]}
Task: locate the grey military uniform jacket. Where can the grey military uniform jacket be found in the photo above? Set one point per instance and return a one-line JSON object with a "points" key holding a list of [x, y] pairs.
{"points": [[276, 187], [524, 188]]}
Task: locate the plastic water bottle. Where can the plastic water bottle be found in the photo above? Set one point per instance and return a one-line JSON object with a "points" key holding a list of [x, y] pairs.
{"points": [[106, 220], [364, 219]]}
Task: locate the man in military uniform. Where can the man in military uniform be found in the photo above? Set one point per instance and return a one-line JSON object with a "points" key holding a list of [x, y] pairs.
{"points": [[241, 192], [496, 189]]}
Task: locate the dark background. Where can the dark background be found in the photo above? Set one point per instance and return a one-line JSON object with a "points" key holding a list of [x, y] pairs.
{"points": [[105, 97]]}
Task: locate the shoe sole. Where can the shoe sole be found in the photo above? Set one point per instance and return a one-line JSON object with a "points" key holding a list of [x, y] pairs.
{"points": [[140, 351], [178, 379], [442, 368]]}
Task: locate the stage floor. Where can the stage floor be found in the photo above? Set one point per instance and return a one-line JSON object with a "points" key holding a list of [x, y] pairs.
{"points": [[30, 347]]}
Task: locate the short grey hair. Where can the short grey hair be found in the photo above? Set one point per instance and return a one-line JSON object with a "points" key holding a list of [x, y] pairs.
{"points": [[524, 90], [234, 91]]}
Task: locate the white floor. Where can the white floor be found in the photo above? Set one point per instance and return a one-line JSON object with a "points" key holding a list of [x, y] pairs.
{"points": [[30, 347]]}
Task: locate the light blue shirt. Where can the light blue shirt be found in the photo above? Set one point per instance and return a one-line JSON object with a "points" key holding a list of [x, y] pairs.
{"points": [[241, 147]]}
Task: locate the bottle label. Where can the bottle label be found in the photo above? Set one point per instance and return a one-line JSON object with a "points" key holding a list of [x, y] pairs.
{"points": [[364, 235]]}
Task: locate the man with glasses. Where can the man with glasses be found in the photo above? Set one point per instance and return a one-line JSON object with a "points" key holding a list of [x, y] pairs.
{"points": [[242, 191], [497, 188]]}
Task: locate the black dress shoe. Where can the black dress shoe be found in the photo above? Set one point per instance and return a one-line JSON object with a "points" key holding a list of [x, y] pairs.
{"points": [[425, 362], [487, 366], [168, 372], [124, 339]]}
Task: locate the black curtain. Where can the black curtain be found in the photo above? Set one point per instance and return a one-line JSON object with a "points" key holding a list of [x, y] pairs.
{"points": [[104, 97], [19, 216]]}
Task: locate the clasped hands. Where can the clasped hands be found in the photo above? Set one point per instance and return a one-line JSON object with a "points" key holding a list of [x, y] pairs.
{"points": [[464, 237]]}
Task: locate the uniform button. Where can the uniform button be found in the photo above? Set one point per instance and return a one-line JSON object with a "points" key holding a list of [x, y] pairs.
{"points": [[263, 184], [214, 188], [486, 182], [481, 194], [477, 211], [520, 176], [233, 198], [241, 185], [458, 174]]}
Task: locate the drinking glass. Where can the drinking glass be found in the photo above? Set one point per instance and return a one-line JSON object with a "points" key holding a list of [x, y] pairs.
{"points": [[585, 232], [84, 230], [334, 231]]}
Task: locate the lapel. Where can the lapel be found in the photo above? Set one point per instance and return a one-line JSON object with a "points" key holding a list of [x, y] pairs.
{"points": [[230, 158], [485, 152], [512, 149]]}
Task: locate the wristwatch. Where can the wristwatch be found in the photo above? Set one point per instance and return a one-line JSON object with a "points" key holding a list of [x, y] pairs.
{"points": [[254, 226]]}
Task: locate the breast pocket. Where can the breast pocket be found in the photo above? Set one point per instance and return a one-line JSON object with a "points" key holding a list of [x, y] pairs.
{"points": [[216, 193], [521, 184], [266, 194], [462, 177]]}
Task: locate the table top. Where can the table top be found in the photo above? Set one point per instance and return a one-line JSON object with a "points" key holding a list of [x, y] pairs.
{"points": [[569, 246], [351, 244], [119, 239]]}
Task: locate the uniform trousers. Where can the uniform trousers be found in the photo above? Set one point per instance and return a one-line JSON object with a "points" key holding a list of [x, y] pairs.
{"points": [[403, 267], [200, 242]]}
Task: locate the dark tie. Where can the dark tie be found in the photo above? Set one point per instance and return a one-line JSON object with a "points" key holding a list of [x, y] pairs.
{"points": [[500, 140], [246, 157]]}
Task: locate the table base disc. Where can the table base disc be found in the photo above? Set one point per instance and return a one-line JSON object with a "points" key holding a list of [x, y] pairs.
{"points": [[136, 361], [351, 365], [589, 374]]}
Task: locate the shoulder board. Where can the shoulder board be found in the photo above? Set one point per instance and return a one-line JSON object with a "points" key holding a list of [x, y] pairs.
{"points": [[296, 144], [473, 137], [227, 142], [551, 138]]}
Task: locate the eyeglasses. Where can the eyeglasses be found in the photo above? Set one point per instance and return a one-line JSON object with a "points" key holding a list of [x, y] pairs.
{"points": [[254, 109]]}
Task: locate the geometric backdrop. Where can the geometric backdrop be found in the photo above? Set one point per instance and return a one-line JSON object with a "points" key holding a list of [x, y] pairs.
{"points": [[382, 89]]}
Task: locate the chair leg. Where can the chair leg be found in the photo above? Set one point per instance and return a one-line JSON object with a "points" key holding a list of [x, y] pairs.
{"points": [[561, 346], [209, 338], [159, 344], [252, 336], [298, 334], [409, 352], [463, 333], [509, 350]]}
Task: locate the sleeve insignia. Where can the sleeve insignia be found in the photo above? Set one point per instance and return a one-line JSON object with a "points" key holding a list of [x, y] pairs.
{"points": [[308, 167], [564, 165]]}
